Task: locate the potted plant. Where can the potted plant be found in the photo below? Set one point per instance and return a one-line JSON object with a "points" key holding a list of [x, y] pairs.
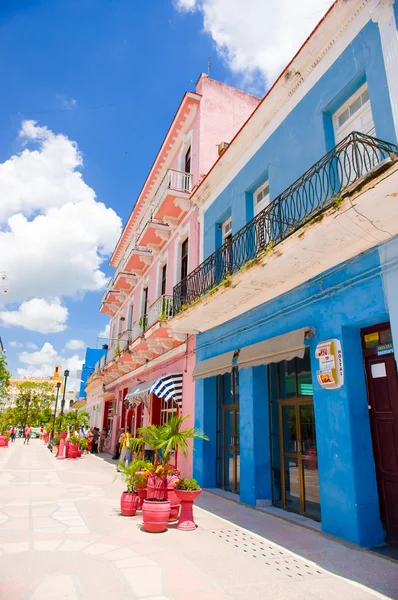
{"points": [[156, 508], [187, 490], [129, 499], [312, 465], [83, 445], [73, 445], [4, 439]]}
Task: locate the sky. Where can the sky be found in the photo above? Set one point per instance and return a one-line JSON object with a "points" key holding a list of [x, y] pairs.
{"points": [[89, 90]]}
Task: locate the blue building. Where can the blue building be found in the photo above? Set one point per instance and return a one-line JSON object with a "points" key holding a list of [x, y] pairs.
{"points": [[295, 303], [93, 355]]}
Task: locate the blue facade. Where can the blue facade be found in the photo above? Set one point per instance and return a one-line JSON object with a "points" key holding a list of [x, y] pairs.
{"points": [[336, 304], [93, 355]]}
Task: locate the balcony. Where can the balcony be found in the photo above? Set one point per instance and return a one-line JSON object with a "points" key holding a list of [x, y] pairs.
{"points": [[330, 214], [171, 201], [154, 235], [138, 260]]}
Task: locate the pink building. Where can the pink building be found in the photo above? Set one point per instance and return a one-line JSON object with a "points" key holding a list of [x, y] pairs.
{"points": [[147, 374]]}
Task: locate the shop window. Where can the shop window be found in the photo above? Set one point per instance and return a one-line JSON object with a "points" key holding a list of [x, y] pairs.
{"points": [[168, 409]]}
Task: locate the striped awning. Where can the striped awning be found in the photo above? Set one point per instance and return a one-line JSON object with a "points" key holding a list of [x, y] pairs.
{"points": [[169, 386]]}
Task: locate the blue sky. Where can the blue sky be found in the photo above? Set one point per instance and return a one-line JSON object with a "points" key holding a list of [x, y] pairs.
{"points": [[108, 76]]}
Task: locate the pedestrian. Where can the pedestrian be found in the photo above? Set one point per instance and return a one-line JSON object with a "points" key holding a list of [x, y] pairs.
{"points": [[118, 448], [90, 436], [102, 439], [125, 455], [41, 432], [82, 433], [28, 433], [13, 433], [96, 435]]}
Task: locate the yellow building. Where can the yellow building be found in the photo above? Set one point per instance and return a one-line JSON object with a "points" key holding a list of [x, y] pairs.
{"points": [[15, 382]]}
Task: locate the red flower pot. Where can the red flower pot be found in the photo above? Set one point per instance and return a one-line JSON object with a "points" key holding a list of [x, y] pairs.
{"points": [[311, 465], [72, 450], [4, 441], [61, 447], [155, 515], [187, 497], [157, 491], [142, 495], [79, 452], [128, 504]]}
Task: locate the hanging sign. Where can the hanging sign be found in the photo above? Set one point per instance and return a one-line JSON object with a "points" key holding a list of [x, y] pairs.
{"points": [[331, 371], [384, 349]]}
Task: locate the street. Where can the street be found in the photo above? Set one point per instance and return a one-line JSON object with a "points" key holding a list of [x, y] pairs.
{"points": [[61, 536]]}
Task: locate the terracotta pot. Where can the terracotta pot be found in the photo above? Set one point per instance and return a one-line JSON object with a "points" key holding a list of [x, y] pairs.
{"points": [[142, 495], [72, 450], [155, 515], [4, 441], [128, 504], [187, 497]]}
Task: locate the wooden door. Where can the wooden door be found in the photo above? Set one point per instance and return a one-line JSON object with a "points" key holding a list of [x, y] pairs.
{"points": [[382, 383]]}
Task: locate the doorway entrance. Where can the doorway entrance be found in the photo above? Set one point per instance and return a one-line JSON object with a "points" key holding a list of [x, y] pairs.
{"points": [[294, 460], [228, 442], [382, 387]]}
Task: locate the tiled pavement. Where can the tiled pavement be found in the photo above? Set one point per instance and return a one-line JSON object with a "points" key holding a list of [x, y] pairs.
{"points": [[61, 536]]}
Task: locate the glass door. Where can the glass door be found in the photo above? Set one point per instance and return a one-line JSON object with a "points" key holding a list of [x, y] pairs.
{"points": [[294, 460], [228, 445]]}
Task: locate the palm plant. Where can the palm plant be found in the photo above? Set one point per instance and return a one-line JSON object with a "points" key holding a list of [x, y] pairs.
{"points": [[176, 438], [130, 474], [152, 435]]}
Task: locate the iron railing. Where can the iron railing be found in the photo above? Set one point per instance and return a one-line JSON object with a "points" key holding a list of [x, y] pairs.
{"points": [[160, 310], [320, 187]]}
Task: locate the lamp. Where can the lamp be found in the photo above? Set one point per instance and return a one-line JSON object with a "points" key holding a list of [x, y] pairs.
{"points": [[58, 385], [66, 375]]}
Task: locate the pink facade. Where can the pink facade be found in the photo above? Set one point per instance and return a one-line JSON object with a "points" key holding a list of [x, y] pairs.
{"points": [[158, 246]]}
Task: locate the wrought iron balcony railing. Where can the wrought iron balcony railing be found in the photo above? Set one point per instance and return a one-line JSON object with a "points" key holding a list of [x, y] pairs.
{"points": [[319, 188], [160, 310]]}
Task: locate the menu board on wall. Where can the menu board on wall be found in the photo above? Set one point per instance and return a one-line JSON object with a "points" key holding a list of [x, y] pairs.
{"points": [[330, 373]]}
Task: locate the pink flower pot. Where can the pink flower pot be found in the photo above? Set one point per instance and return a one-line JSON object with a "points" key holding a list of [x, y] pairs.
{"points": [[187, 497], [155, 515], [61, 447], [4, 441], [142, 495], [46, 438], [72, 450], [128, 504]]}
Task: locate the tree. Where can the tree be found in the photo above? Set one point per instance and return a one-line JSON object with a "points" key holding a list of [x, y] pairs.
{"points": [[33, 403], [4, 379], [73, 419]]}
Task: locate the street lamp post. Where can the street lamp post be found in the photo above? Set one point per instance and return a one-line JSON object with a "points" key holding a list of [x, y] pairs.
{"points": [[58, 385], [66, 375]]}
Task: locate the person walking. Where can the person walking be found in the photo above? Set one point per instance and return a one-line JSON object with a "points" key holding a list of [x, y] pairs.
{"points": [[125, 455], [96, 435], [118, 448], [28, 433], [13, 433], [103, 435]]}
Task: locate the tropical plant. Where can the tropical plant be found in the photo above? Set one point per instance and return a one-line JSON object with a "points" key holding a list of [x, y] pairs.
{"points": [[173, 437], [4, 378], [160, 476], [187, 484], [74, 439], [57, 439], [152, 435], [75, 418], [83, 443], [130, 473]]}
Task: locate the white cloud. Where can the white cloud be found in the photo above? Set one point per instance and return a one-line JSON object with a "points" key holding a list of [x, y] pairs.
{"points": [[257, 38], [39, 315], [66, 103], [31, 346], [42, 362], [104, 334], [13, 344], [54, 235], [75, 345]]}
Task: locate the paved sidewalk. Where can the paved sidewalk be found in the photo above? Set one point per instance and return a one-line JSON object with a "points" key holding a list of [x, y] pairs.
{"points": [[61, 536]]}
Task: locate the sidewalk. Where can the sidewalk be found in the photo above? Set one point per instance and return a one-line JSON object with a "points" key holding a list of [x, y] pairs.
{"points": [[61, 536]]}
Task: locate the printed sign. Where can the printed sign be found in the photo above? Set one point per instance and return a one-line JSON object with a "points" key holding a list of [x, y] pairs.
{"points": [[384, 349], [330, 357]]}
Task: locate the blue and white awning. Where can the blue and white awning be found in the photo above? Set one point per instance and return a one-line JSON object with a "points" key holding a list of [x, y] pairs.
{"points": [[169, 386]]}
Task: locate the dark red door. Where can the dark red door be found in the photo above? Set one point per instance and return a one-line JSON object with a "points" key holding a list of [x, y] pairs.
{"points": [[382, 380]]}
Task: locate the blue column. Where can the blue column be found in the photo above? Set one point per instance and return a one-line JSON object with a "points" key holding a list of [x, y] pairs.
{"points": [[255, 469], [349, 498], [204, 455]]}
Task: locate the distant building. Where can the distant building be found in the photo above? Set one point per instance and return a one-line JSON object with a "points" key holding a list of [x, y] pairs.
{"points": [[15, 382], [93, 356]]}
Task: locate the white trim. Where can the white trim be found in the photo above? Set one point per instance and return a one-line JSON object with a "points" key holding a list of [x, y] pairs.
{"points": [[259, 206], [226, 229], [384, 16], [336, 32], [183, 235], [365, 110]]}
